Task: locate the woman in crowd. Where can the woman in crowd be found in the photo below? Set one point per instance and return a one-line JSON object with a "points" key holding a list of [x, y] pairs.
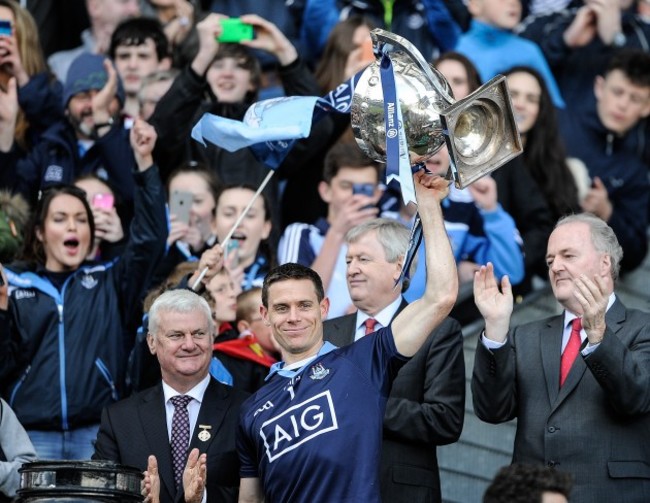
{"points": [[64, 327], [460, 73], [544, 154], [188, 239], [21, 58]]}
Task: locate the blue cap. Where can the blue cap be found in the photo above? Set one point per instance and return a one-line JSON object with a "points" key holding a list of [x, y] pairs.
{"points": [[87, 73]]}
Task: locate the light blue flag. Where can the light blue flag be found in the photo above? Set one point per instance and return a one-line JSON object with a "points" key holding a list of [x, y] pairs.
{"points": [[264, 121]]}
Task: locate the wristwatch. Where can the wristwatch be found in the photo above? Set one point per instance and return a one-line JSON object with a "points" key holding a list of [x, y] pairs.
{"points": [[619, 40]]}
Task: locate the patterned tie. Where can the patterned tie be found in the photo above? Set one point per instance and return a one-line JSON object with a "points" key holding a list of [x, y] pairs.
{"points": [[571, 350], [370, 325], [180, 435]]}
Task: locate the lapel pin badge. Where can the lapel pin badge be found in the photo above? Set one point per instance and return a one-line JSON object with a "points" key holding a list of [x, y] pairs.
{"points": [[204, 434]]}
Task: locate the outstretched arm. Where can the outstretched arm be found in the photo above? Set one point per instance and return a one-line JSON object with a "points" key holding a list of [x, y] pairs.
{"points": [[414, 324]]}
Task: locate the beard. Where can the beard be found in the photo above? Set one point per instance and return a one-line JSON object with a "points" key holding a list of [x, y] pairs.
{"points": [[82, 128]]}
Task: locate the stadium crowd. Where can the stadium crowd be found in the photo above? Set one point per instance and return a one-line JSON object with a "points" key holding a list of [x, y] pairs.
{"points": [[111, 215]]}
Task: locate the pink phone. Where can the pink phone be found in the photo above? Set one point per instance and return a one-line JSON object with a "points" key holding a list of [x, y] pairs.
{"points": [[103, 201]]}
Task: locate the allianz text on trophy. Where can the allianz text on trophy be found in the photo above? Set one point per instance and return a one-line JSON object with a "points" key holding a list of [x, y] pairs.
{"points": [[480, 130]]}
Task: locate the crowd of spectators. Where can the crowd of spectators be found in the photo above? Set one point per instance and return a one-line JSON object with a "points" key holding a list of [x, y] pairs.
{"points": [[95, 120]]}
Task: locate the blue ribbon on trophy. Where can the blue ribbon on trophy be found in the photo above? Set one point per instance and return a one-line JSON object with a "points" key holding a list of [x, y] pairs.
{"points": [[486, 138], [398, 165]]}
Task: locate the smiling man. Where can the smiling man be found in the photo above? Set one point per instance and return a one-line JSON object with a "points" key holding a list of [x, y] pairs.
{"points": [[313, 432], [188, 410], [578, 383], [426, 405]]}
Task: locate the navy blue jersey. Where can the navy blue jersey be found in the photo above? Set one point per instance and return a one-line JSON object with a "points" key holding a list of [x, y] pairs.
{"points": [[316, 436]]}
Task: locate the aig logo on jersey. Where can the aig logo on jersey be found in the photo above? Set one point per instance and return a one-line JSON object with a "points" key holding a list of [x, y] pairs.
{"points": [[298, 425]]}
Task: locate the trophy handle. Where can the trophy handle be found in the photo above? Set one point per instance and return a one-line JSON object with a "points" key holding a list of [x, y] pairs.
{"points": [[381, 38]]}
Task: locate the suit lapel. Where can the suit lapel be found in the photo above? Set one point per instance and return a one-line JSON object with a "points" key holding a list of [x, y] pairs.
{"points": [[341, 330], [211, 415], [551, 346], [154, 424]]}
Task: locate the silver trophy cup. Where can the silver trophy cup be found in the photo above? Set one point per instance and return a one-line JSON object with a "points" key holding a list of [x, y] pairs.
{"points": [[479, 130]]}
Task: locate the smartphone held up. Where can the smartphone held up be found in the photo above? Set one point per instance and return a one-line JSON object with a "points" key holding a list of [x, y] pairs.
{"points": [[5, 27], [234, 30], [103, 201]]}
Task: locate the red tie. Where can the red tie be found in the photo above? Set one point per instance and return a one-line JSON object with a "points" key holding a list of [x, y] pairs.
{"points": [[571, 350], [370, 325]]}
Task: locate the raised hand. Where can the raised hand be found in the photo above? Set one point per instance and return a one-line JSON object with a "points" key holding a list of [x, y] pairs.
{"points": [[108, 225], [582, 29], [10, 61], [208, 29], [151, 484], [143, 139], [180, 26], [593, 297], [194, 476], [597, 200], [8, 115], [101, 101], [354, 211], [494, 303], [484, 192], [212, 261], [268, 37]]}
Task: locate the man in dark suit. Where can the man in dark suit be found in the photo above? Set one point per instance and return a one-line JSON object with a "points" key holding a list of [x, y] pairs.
{"points": [[426, 404], [578, 383], [181, 333]]}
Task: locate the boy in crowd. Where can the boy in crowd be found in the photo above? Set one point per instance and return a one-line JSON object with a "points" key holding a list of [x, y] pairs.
{"points": [[321, 245], [138, 48]]}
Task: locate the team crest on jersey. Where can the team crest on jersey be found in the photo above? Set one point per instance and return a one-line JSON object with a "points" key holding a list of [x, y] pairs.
{"points": [[298, 424], [318, 372], [88, 282]]}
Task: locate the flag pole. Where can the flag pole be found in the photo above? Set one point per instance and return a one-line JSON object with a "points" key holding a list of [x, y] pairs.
{"points": [[223, 244]]}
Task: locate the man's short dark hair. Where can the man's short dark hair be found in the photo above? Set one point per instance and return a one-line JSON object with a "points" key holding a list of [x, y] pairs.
{"points": [[347, 155], [136, 31], [634, 63], [291, 271], [522, 483]]}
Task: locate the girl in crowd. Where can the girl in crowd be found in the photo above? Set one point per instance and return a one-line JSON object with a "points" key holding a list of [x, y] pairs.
{"points": [[250, 253], [187, 240], [460, 72], [544, 154], [63, 327], [21, 58]]}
